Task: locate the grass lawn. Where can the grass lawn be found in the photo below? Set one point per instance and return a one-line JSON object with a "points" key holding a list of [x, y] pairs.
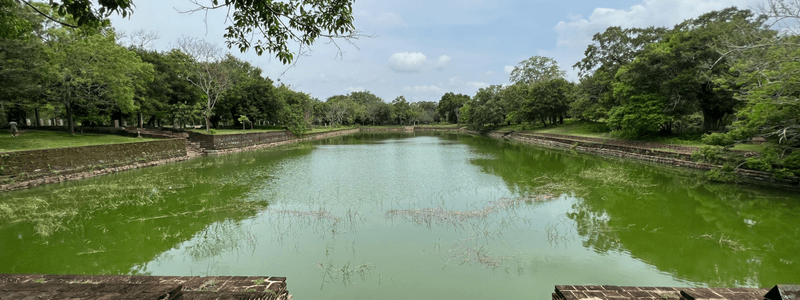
{"points": [[590, 129], [32, 140], [570, 127]]}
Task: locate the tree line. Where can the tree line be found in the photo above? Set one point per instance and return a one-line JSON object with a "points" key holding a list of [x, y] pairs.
{"points": [[84, 75], [729, 74]]}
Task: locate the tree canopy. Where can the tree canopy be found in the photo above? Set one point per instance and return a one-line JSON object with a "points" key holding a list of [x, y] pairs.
{"points": [[264, 26]]}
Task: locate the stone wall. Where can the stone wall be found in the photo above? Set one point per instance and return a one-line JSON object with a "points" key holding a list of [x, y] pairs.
{"points": [[278, 142], [438, 129], [219, 144], [386, 129], [229, 141], [21, 166]]}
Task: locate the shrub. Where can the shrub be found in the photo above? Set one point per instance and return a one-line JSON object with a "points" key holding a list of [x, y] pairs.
{"points": [[718, 139], [711, 154], [598, 127], [724, 174]]}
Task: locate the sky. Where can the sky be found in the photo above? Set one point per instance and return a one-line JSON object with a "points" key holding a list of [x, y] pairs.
{"points": [[424, 49]]}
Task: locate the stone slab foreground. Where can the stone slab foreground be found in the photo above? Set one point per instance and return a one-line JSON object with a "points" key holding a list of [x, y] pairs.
{"points": [[611, 292], [20, 286]]}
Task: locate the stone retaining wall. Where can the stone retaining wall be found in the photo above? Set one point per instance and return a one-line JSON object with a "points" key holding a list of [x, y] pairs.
{"points": [[38, 286], [228, 141], [20, 166], [388, 129], [438, 129], [278, 142]]}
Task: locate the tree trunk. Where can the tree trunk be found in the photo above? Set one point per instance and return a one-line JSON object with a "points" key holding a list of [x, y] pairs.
{"points": [[70, 121], [36, 112], [141, 120], [208, 124], [712, 119]]}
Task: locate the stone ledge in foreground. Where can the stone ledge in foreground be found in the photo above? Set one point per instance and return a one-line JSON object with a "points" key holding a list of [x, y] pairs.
{"points": [[36, 286], [612, 292]]}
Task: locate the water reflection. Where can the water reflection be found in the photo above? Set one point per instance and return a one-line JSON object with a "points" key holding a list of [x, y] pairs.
{"points": [[714, 234], [377, 215], [115, 224]]}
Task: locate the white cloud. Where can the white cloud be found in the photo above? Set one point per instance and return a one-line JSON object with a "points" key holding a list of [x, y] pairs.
{"points": [[425, 89], [455, 81], [508, 69], [442, 62], [407, 62], [415, 62], [355, 89], [477, 85]]}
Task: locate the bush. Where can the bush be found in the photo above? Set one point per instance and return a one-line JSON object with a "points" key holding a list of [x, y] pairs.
{"points": [[598, 127], [724, 174], [712, 154], [718, 139]]}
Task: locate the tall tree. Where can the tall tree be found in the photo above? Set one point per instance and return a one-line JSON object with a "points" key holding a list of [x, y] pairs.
{"points": [[93, 72], [487, 107], [769, 72], [206, 72], [401, 111], [683, 73], [449, 107], [610, 50], [536, 69], [279, 23]]}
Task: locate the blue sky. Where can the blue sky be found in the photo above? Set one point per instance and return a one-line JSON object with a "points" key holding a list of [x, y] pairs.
{"points": [[423, 49]]}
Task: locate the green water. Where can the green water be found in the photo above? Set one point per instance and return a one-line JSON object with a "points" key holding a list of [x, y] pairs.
{"points": [[409, 216]]}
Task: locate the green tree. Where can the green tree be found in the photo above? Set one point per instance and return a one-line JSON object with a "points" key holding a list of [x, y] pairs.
{"points": [[14, 22], [536, 69], [424, 112], [682, 74], [340, 110], [548, 100], [368, 106], [768, 68], [93, 71], [487, 108], [610, 50], [401, 111], [249, 93], [206, 71], [280, 23], [169, 91], [449, 108], [24, 72]]}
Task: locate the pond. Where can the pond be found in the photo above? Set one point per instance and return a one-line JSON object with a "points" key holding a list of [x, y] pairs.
{"points": [[409, 215]]}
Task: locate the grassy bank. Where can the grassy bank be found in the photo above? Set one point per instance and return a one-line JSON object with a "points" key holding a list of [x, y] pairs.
{"points": [[34, 140], [583, 128]]}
